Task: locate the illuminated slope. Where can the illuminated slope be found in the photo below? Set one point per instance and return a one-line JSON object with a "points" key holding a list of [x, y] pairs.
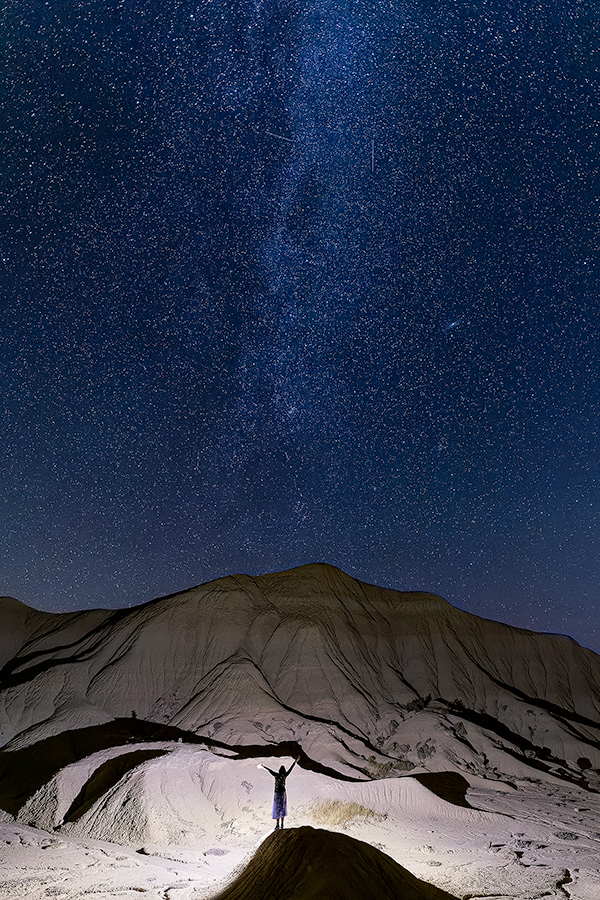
{"points": [[367, 681]]}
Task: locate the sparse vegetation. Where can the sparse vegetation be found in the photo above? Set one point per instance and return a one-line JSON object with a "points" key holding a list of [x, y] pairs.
{"points": [[418, 703], [426, 749], [377, 770], [337, 813]]}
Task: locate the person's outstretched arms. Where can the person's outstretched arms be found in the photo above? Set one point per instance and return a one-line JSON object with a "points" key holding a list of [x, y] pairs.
{"points": [[274, 774], [292, 766]]}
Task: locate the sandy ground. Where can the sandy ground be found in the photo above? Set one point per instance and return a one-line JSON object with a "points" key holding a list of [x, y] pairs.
{"points": [[361, 682], [197, 818]]}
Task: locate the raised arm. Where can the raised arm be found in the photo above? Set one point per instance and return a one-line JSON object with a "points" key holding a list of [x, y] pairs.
{"points": [[292, 766], [274, 774]]}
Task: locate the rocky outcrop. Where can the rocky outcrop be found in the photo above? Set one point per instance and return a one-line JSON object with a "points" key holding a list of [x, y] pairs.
{"points": [[368, 682]]}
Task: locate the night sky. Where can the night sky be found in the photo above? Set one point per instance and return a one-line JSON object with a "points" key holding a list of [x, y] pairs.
{"points": [[302, 280]]}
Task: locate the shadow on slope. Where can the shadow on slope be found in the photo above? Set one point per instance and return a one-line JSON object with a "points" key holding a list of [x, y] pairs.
{"points": [[450, 786], [104, 778], [524, 750], [24, 771], [314, 864]]}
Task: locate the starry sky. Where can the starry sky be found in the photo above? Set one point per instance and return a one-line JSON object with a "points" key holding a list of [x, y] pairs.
{"points": [[302, 280]]}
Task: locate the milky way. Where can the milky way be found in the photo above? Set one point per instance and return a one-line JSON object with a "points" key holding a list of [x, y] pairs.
{"points": [[290, 281]]}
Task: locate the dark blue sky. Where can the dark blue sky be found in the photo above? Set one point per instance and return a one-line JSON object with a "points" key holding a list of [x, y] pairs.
{"points": [[291, 281]]}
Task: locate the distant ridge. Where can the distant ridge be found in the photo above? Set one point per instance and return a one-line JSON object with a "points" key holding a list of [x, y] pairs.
{"points": [[369, 682]]}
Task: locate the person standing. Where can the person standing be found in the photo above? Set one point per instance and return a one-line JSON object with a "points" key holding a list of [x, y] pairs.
{"points": [[280, 795]]}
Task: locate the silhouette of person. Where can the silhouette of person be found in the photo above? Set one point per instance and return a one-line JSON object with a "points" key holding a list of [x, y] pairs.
{"points": [[280, 796]]}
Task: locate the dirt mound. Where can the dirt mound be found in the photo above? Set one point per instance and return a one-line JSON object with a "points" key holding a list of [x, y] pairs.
{"points": [[23, 771], [106, 777], [314, 864]]}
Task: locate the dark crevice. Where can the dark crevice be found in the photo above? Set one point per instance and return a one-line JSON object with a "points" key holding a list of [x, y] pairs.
{"points": [[24, 771], [283, 749], [577, 734], [566, 879], [531, 754], [105, 777], [557, 711], [405, 681], [242, 657], [311, 718], [319, 719], [490, 723], [10, 678]]}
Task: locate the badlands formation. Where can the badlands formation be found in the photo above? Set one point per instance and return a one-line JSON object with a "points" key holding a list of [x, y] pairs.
{"points": [[441, 755]]}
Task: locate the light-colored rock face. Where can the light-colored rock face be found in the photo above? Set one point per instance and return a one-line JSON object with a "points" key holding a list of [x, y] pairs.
{"points": [[362, 678], [17, 623], [379, 686], [199, 815]]}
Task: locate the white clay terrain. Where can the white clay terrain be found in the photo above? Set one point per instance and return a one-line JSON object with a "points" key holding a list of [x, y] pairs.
{"points": [[368, 684]]}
